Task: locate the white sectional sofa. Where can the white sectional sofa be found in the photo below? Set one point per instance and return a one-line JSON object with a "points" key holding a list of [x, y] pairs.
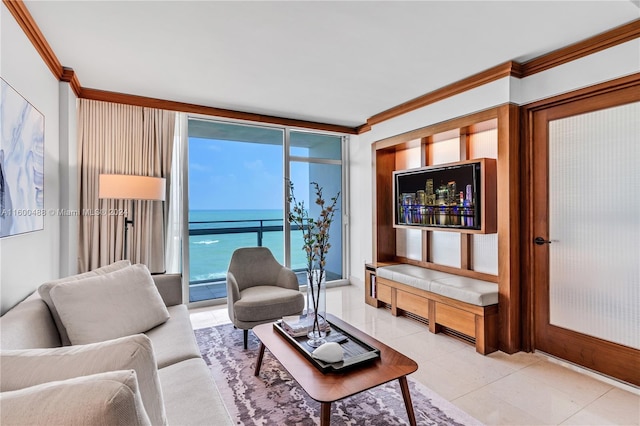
{"points": [[118, 374]]}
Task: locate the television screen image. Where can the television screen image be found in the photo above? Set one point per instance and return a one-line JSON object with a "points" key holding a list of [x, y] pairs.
{"points": [[444, 196]]}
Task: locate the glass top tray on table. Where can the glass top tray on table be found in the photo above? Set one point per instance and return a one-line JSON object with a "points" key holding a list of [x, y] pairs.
{"points": [[356, 352]]}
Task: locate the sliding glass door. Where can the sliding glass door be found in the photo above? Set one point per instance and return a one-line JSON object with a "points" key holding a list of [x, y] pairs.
{"points": [[237, 178], [235, 199]]}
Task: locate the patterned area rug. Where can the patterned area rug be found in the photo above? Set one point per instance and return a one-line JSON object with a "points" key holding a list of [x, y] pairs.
{"points": [[274, 398]]}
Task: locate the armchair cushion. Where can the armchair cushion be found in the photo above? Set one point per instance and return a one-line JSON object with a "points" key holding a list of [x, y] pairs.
{"points": [[263, 303], [108, 306], [20, 369], [102, 399]]}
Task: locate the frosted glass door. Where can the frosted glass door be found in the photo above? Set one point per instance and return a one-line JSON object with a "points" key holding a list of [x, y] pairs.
{"points": [[594, 224]]}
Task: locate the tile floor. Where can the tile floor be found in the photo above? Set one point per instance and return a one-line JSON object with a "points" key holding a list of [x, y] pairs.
{"points": [[498, 389]]}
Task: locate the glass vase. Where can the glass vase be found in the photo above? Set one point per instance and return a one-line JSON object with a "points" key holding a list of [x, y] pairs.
{"points": [[316, 308]]}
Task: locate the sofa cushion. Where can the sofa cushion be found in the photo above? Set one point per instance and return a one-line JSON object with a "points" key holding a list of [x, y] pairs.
{"points": [[174, 340], [411, 275], [102, 399], [202, 405], [28, 325], [45, 292], [24, 368], [104, 307], [469, 290]]}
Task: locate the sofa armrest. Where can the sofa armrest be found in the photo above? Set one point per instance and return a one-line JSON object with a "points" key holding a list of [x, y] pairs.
{"points": [[170, 288], [29, 325]]}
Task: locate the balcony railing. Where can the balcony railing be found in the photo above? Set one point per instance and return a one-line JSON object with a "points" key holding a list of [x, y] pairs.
{"points": [[259, 229], [243, 226], [213, 288]]}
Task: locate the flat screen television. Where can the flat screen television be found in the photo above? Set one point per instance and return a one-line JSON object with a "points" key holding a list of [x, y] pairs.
{"points": [[447, 196]]}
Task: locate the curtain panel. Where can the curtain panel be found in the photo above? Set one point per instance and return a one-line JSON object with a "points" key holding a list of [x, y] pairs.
{"points": [[122, 139]]}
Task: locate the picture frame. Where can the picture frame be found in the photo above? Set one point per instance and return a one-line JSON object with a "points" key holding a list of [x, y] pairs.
{"points": [[22, 159]]}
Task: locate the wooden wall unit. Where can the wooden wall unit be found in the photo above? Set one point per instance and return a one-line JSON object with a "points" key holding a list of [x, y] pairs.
{"points": [[505, 120]]}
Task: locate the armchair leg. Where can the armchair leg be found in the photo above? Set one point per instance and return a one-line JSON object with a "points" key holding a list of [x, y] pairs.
{"points": [[246, 338]]}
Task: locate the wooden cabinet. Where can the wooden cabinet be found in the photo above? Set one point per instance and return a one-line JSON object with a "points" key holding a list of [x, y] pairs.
{"points": [[370, 287], [490, 133]]}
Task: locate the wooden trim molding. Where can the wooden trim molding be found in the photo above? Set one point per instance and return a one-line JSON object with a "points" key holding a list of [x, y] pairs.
{"points": [[123, 98], [575, 51], [504, 70], [23, 17], [584, 93], [592, 45], [71, 77], [583, 48]]}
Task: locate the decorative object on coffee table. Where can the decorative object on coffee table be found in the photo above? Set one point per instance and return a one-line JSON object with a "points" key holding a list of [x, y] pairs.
{"points": [[355, 352], [315, 234]]}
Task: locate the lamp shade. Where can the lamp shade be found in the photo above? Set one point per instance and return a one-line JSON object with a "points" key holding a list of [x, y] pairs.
{"points": [[132, 187]]}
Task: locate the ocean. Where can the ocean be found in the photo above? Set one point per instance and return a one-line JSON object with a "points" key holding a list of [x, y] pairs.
{"points": [[209, 255]]}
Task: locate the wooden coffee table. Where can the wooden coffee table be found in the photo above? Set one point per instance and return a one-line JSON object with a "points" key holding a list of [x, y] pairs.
{"points": [[329, 387]]}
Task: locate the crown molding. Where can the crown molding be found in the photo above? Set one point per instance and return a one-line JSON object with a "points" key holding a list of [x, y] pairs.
{"points": [[25, 20], [583, 48], [558, 57], [23, 17], [592, 45], [123, 98], [71, 77], [503, 70]]}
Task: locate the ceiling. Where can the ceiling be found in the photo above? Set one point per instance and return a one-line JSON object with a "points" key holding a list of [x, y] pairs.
{"points": [[330, 62]]}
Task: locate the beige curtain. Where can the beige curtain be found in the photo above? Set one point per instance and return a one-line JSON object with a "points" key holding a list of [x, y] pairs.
{"points": [[122, 139]]}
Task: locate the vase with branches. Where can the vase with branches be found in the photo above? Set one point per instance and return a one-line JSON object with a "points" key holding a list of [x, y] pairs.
{"points": [[315, 233]]}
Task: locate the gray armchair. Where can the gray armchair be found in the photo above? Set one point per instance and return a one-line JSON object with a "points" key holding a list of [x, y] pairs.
{"points": [[260, 290]]}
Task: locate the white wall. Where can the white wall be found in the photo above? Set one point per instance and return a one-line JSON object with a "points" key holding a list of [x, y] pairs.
{"points": [[603, 66], [28, 260], [360, 207], [69, 199]]}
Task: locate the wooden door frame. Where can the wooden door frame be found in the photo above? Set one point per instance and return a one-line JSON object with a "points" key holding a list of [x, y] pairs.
{"points": [[593, 98]]}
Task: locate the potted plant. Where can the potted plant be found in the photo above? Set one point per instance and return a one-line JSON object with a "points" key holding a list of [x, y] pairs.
{"points": [[315, 232]]}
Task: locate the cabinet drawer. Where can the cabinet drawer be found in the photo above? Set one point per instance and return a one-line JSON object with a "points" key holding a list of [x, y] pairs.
{"points": [[384, 293], [413, 303], [457, 319]]}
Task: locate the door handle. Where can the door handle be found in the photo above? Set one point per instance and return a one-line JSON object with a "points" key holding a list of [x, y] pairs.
{"points": [[540, 241]]}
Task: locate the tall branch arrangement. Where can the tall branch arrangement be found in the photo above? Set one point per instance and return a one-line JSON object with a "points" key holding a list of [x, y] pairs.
{"points": [[315, 234]]}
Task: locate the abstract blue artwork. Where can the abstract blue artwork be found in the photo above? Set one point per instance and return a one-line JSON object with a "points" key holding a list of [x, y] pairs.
{"points": [[21, 164]]}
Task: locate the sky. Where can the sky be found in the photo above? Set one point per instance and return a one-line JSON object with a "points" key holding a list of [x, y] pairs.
{"points": [[226, 175]]}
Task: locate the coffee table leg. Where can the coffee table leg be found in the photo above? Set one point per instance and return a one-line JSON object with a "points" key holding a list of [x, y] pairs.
{"points": [[325, 413], [404, 386], [259, 362]]}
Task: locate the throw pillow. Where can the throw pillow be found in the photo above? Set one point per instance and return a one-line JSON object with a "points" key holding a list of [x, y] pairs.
{"points": [[101, 399], [20, 369], [103, 307], [45, 289]]}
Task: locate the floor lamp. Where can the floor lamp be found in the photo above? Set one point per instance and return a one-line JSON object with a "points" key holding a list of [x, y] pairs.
{"points": [[131, 187]]}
